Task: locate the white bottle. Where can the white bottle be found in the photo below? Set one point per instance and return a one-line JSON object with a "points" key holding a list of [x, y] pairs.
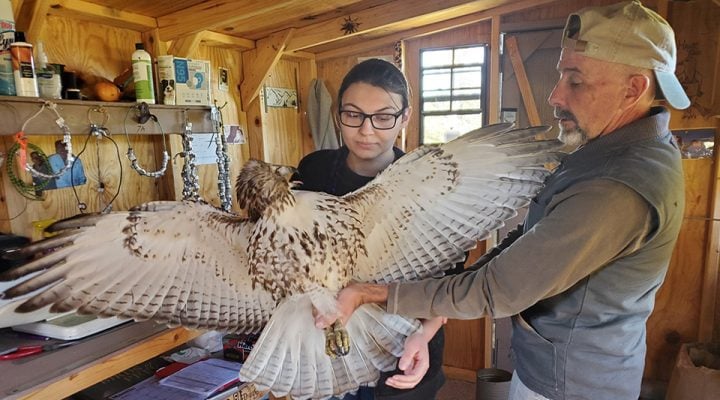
{"points": [[23, 66], [143, 75]]}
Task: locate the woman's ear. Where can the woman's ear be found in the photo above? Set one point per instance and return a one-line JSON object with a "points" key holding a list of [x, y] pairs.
{"points": [[406, 116]]}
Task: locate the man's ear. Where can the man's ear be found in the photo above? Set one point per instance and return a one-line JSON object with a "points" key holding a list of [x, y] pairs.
{"points": [[637, 89]]}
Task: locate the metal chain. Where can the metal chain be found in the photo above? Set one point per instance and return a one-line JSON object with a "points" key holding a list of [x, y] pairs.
{"points": [[191, 183], [223, 161], [133, 158], [66, 140]]}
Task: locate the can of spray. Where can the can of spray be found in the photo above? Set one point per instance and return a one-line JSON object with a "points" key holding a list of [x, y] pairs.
{"points": [[143, 75], [23, 66], [7, 36]]}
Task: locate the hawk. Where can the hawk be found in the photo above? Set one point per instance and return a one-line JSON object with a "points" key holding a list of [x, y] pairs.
{"points": [[191, 264]]}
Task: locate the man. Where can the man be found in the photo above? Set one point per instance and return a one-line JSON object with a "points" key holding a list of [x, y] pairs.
{"points": [[581, 279]]}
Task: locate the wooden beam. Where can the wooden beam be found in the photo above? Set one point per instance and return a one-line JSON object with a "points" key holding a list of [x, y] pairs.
{"points": [[216, 39], [298, 56], [364, 42], [709, 297], [376, 18], [494, 73], [30, 17], [153, 44], [102, 15], [258, 62], [250, 15], [493, 111], [522, 80], [185, 46]]}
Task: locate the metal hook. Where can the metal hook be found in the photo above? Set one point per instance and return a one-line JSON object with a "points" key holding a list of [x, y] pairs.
{"points": [[99, 110]]}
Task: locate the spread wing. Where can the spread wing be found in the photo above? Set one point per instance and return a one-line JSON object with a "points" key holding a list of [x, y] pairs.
{"points": [[424, 211], [176, 262]]}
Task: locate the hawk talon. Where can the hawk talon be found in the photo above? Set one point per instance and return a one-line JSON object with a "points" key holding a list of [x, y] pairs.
{"points": [[337, 340]]}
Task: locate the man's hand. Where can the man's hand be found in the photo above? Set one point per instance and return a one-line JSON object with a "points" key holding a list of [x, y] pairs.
{"points": [[349, 299], [414, 362]]}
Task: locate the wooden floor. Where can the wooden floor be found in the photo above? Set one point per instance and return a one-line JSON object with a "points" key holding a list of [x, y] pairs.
{"points": [[457, 390]]}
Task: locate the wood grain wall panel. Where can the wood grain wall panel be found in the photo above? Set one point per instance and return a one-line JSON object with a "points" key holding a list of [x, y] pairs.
{"points": [[231, 114], [91, 50], [282, 132], [675, 319]]}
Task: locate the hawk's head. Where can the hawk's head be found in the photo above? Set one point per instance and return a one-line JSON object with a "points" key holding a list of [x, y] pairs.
{"points": [[261, 185]]}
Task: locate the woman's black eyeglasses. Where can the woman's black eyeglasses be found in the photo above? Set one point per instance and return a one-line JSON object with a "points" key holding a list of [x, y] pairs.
{"points": [[382, 121]]}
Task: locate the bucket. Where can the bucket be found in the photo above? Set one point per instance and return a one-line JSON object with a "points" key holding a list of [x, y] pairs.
{"points": [[493, 384]]}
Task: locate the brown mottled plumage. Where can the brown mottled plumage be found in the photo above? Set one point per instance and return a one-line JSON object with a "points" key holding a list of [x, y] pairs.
{"points": [[191, 264]]}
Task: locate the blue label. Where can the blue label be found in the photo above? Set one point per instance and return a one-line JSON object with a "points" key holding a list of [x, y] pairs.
{"points": [[181, 70]]}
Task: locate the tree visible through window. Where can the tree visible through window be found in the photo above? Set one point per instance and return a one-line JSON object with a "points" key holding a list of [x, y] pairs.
{"points": [[452, 97]]}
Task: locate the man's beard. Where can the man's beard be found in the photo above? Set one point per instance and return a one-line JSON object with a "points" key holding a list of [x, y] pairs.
{"points": [[574, 137]]}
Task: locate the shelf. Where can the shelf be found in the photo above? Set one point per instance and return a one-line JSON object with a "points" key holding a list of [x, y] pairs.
{"points": [[76, 113], [60, 373]]}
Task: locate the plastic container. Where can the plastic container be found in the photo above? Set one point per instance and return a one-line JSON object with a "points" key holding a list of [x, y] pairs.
{"points": [[70, 326], [49, 83], [7, 36], [23, 64], [143, 75], [493, 384]]}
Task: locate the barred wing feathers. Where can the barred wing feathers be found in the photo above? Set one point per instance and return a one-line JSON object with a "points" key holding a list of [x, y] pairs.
{"points": [[424, 211], [181, 263]]}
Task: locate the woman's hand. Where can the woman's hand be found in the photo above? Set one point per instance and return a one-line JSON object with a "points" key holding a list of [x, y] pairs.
{"points": [[414, 362]]}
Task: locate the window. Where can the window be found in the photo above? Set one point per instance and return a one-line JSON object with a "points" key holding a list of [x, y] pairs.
{"points": [[452, 98]]}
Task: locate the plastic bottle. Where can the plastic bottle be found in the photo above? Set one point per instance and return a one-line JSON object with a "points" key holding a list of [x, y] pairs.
{"points": [[143, 75], [23, 66], [49, 84], [7, 36]]}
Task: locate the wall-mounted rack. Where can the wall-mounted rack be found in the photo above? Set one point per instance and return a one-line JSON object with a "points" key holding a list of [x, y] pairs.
{"points": [[79, 114]]}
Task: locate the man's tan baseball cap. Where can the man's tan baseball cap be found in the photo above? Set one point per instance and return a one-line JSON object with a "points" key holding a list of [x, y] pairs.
{"points": [[628, 33]]}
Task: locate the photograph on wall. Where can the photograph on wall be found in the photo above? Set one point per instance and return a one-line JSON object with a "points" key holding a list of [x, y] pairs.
{"points": [[73, 176], [695, 143], [234, 134]]}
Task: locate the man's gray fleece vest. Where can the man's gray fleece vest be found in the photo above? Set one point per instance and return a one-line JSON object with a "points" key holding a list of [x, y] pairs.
{"points": [[589, 342]]}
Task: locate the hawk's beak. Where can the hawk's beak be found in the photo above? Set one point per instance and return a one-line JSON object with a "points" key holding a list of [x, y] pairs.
{"points": [[286, 172]]}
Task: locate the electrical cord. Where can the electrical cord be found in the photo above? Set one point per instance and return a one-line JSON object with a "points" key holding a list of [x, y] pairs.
{"points": [[83, 206], [31, 191]]}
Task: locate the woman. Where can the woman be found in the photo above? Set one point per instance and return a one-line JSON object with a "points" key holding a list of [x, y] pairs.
{"points": [[373, 109]]}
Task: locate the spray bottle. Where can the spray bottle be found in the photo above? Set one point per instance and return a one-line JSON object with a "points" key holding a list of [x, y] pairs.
{"points": [[143, 75], [49, 84]]}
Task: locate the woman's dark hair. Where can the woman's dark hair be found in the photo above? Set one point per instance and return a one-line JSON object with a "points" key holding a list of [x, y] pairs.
{"points": [[378, 73]]}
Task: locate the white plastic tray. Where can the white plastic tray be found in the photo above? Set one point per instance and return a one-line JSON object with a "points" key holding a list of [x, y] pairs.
{"points": [[70, 326]]}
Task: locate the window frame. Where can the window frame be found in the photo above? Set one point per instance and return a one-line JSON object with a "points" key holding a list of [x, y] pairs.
{"points": [[422, 113]]}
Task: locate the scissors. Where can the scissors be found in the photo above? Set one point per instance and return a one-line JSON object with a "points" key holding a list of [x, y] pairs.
{"points": [[24, 351]]}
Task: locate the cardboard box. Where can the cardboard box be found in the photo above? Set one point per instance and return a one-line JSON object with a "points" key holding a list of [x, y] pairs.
{"points": [[192, 82], [696, 374]]}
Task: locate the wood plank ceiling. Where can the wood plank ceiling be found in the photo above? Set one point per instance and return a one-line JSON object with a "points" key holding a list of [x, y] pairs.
{"points": [[318, 25]]}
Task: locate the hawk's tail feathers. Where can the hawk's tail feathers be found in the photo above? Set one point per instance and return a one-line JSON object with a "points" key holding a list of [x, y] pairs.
{"points": [[289, 357]]}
